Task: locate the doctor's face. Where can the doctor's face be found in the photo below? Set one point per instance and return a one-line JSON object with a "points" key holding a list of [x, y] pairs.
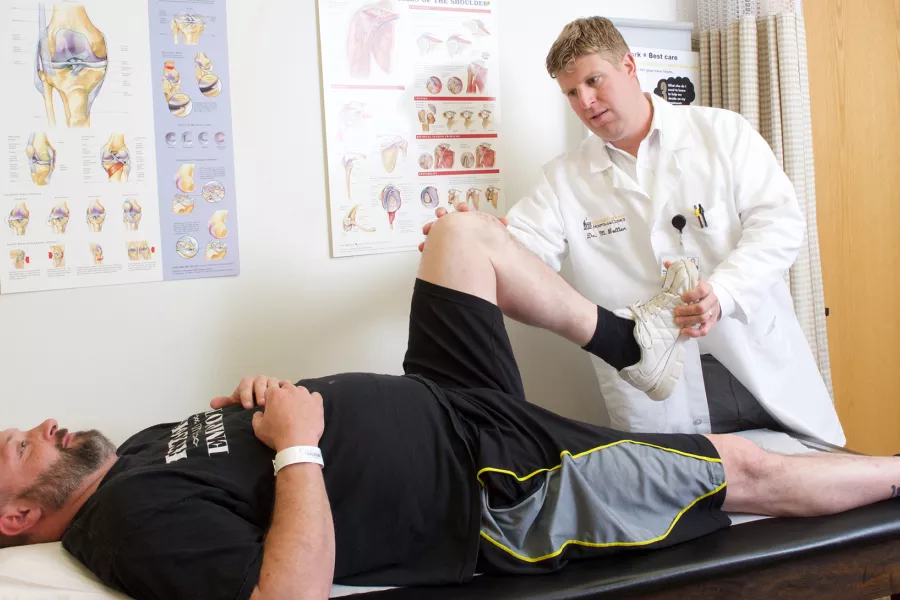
{"points": [[604, 95]]}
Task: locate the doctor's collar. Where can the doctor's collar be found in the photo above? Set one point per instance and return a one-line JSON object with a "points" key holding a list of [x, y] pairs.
{"points": [[667, 122], [670, 124]]}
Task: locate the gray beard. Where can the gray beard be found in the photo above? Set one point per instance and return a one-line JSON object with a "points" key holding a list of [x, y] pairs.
{"points": [[53, 488]]}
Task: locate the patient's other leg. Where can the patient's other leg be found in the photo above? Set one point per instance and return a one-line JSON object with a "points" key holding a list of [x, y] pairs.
{"points": [[763, 483], [474, 253]]}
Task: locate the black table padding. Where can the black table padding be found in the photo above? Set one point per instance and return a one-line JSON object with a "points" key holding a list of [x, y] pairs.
{"points": [[738, 549]]}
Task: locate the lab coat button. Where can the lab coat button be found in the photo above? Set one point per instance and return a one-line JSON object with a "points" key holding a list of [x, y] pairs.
{"points": [[697, 421]]}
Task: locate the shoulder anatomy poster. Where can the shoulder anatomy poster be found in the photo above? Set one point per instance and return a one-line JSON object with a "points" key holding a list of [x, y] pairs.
{"points": [[117, 128], [673, 75], [412, 114]]}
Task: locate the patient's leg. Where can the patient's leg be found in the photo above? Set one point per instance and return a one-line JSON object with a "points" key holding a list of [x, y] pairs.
{"points": [[474, 253], [763, 483]]}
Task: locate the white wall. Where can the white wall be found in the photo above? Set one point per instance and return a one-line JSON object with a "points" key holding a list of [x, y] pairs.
{"points": [[124, 357]]}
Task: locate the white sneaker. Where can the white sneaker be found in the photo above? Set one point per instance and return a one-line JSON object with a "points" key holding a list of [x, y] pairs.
{"points": [[660, 339]]}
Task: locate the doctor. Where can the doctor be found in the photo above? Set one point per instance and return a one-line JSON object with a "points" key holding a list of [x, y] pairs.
{"points": [[656, 182]]}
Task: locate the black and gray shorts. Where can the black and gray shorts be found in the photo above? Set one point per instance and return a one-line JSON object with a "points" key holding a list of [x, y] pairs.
{"points": [[554, 489]]}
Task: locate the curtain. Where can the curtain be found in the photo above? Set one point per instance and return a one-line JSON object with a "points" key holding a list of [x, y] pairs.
{"points": [[753, 61]]}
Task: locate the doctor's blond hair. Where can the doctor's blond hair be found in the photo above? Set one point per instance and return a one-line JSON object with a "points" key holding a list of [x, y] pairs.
{"points": [[585, 36]]}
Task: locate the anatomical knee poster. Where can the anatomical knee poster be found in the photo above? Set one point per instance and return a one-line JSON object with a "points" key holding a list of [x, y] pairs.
{"points": [[119, 164], [412, 115]]}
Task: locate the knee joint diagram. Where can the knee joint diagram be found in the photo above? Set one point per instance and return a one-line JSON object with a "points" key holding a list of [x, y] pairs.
{"points": [[182, 205], [115, 158], [41, 158], [209, 84], [18, 219], [58, 255], [186, 247], [97, 253], [190, 25], [19, 258], [179, 104], [216, 250], [131, 215], [184, 178], [217, 226], [71, 58], [96, 215], [59, 218], [213, 192], [139, 250]]}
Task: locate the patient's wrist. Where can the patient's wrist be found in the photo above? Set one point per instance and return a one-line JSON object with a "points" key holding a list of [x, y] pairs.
{"points": [[297, 455]]}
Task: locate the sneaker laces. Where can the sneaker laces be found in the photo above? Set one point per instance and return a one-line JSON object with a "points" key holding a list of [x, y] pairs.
{"points": [[645, 312]]}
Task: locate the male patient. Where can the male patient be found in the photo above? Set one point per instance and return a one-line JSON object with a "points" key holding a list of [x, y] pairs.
{"points": [[428, 478]]}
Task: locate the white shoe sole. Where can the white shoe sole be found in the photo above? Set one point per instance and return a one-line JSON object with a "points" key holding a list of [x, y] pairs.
{"points": [[664, 387], [666, 384]]}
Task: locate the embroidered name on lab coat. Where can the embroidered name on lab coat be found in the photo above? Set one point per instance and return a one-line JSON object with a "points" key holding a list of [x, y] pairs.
{"points": [[603, 227]]}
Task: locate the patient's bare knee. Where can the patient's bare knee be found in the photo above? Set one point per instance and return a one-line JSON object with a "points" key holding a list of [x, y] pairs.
{"points": [[466, 230], [748, 472]]}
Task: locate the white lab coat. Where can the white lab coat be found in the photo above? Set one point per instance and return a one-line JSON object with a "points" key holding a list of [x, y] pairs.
{"points": [[617, 235]]}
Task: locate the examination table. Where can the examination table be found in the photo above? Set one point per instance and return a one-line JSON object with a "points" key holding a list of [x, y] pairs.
{"points": [[855, 554]]}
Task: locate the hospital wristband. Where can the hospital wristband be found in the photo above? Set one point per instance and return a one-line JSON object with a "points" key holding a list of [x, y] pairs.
{"points": [[297, 454]]}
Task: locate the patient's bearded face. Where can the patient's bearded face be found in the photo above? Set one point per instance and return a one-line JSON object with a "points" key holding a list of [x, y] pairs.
{"points": [[87, 452]]}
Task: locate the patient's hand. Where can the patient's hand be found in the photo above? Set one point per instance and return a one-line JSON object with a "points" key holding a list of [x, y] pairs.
{"points": [[292, 417], [249, 392]]}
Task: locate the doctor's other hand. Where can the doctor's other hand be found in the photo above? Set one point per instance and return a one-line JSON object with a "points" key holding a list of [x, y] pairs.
{"points": [[440, 212], [249, 392], [292, 417], [702, 308]]}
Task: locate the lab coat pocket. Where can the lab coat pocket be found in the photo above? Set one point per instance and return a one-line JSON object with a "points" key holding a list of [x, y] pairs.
{"points": [[716, 239], [770, 352], [766, 333], [714, 220]]}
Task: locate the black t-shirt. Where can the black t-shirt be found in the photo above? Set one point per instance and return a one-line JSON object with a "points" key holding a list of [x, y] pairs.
{"points": [[184, 511]]}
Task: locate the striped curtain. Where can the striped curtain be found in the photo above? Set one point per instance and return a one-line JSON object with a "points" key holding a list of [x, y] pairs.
{"points": [[753, 61]]}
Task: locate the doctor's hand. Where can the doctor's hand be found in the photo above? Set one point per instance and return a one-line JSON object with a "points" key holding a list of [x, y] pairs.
{"points": [[701, 308], [440, 212], [249, 392]]}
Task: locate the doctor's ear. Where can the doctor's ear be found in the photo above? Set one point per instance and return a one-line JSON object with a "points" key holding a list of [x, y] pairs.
{"points": [[18, 519], [629, 65]]}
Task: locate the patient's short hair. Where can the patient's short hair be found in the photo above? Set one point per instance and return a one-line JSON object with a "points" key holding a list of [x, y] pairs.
{"points": [[585, 36]]}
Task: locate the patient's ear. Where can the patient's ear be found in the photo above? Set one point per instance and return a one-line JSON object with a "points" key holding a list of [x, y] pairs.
{"points": [[17, 518]]}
